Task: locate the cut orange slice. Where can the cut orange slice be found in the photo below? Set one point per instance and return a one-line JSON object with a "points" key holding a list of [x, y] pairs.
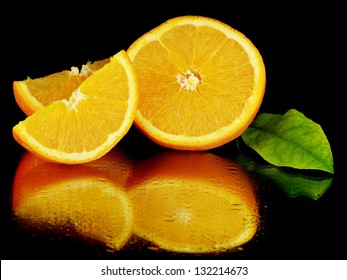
{"points": [[91, 122], [34, 94], [193, 202], [85, 200], [201, 83]]}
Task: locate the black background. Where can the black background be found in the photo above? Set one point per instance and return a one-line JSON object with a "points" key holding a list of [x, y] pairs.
{"points": [[302, 47]]}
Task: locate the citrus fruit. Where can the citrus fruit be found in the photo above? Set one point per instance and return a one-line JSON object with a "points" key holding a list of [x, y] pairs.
{"points": [[201, 82], [90, 123], [34, 94], [193, 202], [87, 200]]}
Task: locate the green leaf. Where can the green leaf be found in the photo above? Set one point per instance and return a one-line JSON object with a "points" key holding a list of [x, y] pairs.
{"points": [[290, 140]]}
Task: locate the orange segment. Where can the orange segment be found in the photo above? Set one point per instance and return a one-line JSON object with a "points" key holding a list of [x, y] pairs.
{"points": [[34, 94], [90, 123], [86, 199], [193, 202], [201, 83]]}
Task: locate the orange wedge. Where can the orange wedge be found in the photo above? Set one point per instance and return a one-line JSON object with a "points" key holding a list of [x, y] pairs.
{"points": [[91, 122], [201, 82], [87, 200], [34, 94], [193, 202]]}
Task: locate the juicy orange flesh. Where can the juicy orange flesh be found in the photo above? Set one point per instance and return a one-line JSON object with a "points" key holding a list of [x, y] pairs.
{"points": [[90, 104], [59, 85], [226, 81]]}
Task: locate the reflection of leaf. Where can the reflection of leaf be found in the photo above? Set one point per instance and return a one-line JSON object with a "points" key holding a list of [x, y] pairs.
{"points": [[293, 184], [290, 140]]}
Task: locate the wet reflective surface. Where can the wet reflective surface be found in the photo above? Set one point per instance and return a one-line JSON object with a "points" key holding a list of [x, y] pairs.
{"points": [[87, 200], [160, 203], [187, 202], [193, 202]]}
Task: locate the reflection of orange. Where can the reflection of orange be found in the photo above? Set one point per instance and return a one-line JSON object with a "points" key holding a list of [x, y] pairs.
{"points": [[88, 197], [193, 202]]}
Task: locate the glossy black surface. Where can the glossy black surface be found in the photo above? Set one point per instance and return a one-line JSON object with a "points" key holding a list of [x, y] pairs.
{"points": [[301, 49]]}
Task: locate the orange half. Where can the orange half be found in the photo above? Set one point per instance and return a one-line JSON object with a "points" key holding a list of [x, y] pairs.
{"points": [[201, 82]]}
